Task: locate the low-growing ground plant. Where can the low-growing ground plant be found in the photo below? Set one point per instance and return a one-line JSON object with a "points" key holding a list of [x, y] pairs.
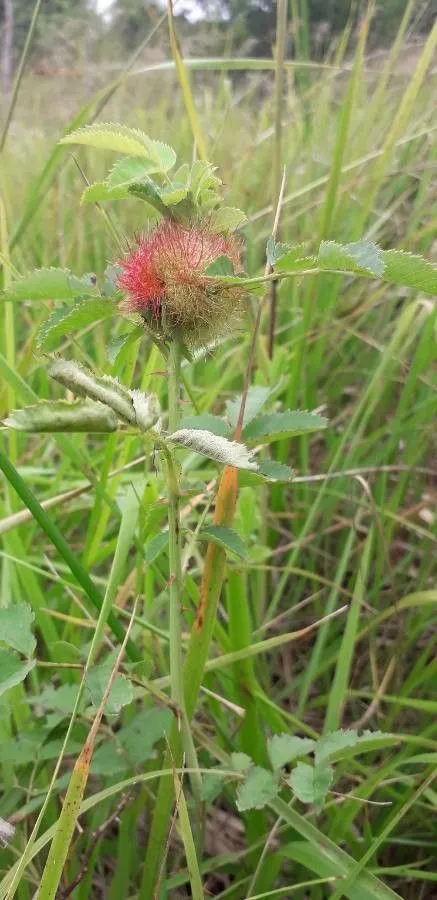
{"points": [[180, 285]]}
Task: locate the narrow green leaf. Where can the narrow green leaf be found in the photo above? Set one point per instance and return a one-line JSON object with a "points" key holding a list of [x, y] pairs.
{"points": [[276, 426], [284, 748], [259, 787], [12, 670], [66, 320], [16, 627], [226, 538]]}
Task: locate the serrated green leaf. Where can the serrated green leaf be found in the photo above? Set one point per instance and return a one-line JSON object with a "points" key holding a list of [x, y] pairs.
{"points": [[108, 760], [226, 538], [149, 192], [121, 692], [311, 784], [141, 734], [241, 762], [222, 267], [336, 740], [410, 271], [174, 194], [275, 251], [130, 170], [294, 262], [68, 319], [227, 219], [284, 748], [100, 192], [58, 416], [207, 422], [271, 470], [256, 398], [343, 744], [16, 627], [109, 136], [274, 427], [116, 345], [212, 786], [51, 284], [361, 256], [259, 787], [230, 453], [155, 546], [12, 670]]}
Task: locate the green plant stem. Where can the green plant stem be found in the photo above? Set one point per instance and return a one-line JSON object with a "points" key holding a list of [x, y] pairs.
{"points": [[175, 577]]}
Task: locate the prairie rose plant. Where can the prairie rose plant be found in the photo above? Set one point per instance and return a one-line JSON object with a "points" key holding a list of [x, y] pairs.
{"points": [[179, 287]]}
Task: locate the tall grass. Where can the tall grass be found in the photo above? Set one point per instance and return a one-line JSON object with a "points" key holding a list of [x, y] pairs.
{"points": [[357, 526]]}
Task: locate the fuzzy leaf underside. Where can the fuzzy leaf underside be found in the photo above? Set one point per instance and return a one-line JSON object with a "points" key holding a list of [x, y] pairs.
{"points": [[58, 416], [133, 407], [230, 453], [276, 426]]}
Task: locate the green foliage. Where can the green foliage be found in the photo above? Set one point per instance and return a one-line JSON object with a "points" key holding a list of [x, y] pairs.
{"points": [[257, 789], [12, 670], [226, 538], [285, 748], [121, 693], [51, 284], [256, 398], [16, 628], [66, 319], [276, 426], [310, 784]]}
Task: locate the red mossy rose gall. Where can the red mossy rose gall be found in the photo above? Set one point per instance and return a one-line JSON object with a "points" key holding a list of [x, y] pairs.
{"points": [[164, 278]]}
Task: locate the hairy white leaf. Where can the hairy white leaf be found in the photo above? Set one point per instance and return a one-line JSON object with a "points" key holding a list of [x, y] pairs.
{"points": [[84, 383], [230, 453]]}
